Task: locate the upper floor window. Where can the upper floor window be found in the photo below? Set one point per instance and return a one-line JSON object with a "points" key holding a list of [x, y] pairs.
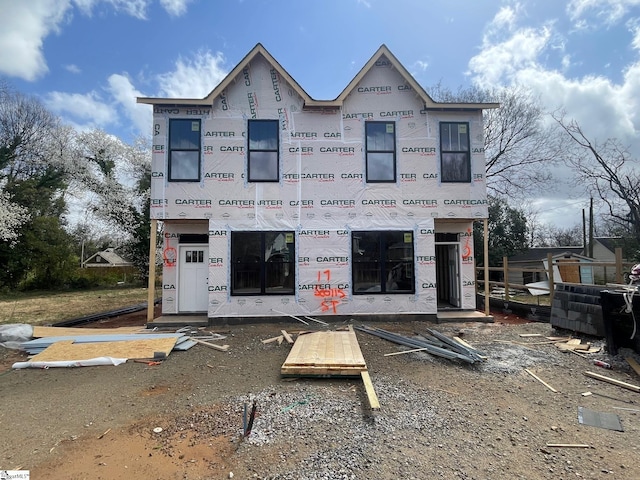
{"points": [[264, 139], [184, 150], [454, 152], [381, 151]]}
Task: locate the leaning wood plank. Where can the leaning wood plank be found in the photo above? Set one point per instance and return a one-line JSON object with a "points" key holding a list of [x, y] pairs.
{"points": [[540, 380], [371, 393], [222, 348], [42, 332], [286, 336], [465, 344], [273, 339], [568, 445], [613, 381], [131, 349], [633, 364], [405, 351]]}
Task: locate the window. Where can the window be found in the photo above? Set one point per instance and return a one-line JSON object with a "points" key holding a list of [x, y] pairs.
{"points": [[184, 150], [381, 151], [382, 262], [454, 151], [263, 163], [194, 256], [263, 263]]}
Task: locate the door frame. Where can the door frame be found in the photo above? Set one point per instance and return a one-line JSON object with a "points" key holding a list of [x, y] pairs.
{"points": [[447, 281], [182, 247]]}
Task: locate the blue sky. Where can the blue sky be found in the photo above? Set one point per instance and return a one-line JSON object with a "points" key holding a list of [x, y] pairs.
{"points": [[87, 60]]}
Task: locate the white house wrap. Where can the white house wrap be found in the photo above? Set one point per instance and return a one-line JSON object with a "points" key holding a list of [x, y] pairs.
{"points": [[274, 203]]}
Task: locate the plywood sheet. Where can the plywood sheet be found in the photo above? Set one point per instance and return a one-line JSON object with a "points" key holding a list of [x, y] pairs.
{"points": [[42, 332], [131, 349], [326, 354]]}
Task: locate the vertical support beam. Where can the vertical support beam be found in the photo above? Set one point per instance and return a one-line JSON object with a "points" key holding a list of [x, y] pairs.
{"points": [[487, 306], [550, 273], [505, 266], [151, 286], [619, 275]]}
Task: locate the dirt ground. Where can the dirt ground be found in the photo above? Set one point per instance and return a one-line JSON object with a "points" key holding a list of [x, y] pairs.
{"points": [[439, 418]]}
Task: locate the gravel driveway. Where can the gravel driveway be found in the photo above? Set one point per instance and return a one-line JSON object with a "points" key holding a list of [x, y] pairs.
{"points": [[438, 419]]}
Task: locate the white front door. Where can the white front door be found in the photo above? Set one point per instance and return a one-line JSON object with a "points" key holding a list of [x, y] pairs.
{"points": [[193, 294]]}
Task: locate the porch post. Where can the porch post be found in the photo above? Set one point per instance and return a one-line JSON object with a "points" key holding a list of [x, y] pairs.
{"points": [[487, 307], [151, 288]]}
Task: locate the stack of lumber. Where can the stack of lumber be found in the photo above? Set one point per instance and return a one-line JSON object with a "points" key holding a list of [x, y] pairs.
{"points": [[329, 353]]}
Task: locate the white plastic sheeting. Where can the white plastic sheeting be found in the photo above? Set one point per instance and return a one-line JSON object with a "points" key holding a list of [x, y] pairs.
{"points": [[90, 362]]}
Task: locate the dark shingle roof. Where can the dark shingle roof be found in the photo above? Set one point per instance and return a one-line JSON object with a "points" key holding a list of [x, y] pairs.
{"points": [[540, 253]]}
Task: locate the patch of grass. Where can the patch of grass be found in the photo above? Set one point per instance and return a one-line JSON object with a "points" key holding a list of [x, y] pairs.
{"points": [[42, 308]]}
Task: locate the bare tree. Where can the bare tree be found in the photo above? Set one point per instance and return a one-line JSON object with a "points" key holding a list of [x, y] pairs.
{"points": [[520, 144], [608, 171]]}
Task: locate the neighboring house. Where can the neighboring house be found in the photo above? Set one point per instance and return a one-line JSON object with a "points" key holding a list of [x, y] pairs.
{"points": [[106, 258], [604, 249], [529, 267], [274, 203]]}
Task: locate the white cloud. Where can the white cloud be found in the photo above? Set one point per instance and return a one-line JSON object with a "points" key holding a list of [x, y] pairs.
{"points": [[608, 12], [125, 94], [72, 68], [88, 108], [193, 78], [23, 28], [135, 8], [499, 63], [420, 65], [175, 7]]}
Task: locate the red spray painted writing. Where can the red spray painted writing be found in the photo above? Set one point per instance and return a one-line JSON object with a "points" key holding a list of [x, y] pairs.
{"points": [[330, 296]]}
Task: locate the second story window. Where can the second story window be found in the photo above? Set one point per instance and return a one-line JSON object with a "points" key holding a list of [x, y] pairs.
{"points": [[381, 151], [263, 164], [184, 150], [454, 152]]}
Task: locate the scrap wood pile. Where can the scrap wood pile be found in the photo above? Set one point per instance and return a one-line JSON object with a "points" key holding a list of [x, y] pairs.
{"points": [[566, 344], [72, 347], [433, 342]]}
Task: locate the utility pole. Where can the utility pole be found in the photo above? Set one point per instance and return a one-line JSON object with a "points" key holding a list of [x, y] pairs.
{"points": [[584, 233], [591, 229]]}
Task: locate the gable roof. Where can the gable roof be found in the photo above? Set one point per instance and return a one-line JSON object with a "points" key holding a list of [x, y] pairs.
{"points": [[539, 254], [311, 103], [610, 243], [106, 258]]}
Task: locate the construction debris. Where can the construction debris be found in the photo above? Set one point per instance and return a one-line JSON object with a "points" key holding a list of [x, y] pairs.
{"points": [[540, 380], [434, 343], [613, 381], [286, 336]]}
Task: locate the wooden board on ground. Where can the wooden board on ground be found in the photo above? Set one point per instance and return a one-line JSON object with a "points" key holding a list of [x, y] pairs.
{"points": [[43, 332], [633, 364], [325, 354], [131, 349]]}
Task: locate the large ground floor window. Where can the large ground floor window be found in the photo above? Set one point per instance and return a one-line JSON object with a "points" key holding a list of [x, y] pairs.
{"points": [[263, 263], [383, 262]]}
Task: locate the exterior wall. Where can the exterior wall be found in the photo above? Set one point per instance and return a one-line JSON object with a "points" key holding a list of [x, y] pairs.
{"points": [[602, 254], [322, 195]]}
